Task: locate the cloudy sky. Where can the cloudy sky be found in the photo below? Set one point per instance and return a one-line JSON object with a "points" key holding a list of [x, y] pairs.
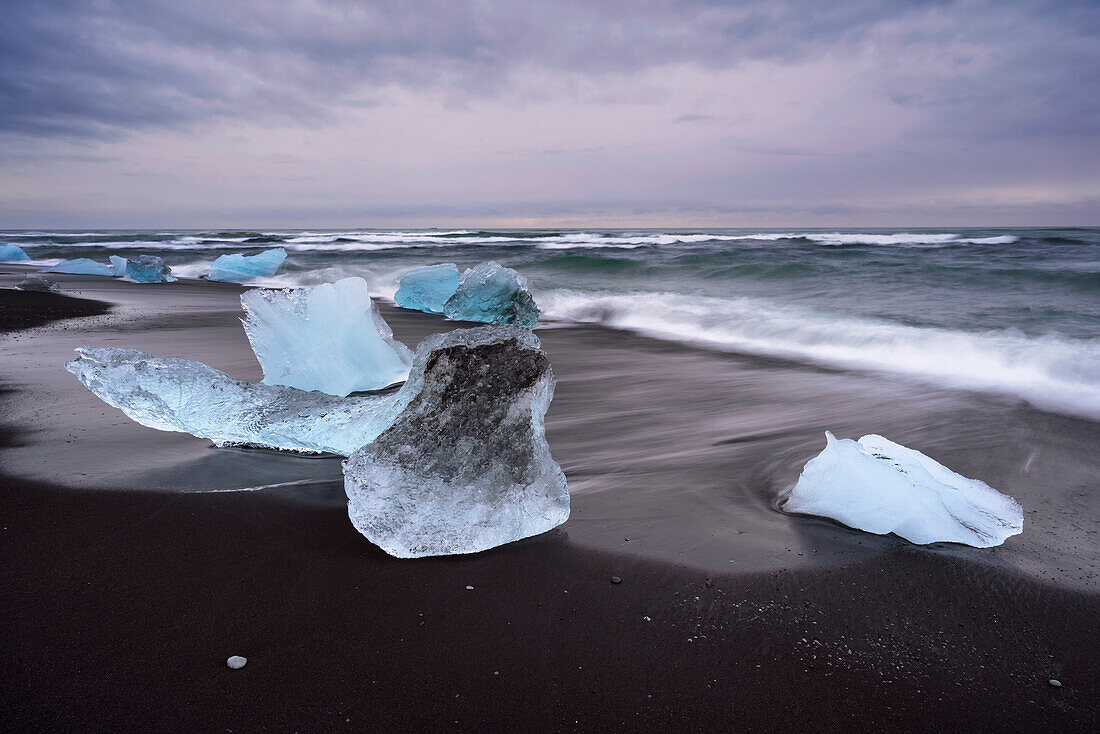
{"points": [[208, 113]]}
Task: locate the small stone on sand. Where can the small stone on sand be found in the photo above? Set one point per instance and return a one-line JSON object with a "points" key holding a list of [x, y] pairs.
{"points": [[469, 588], [1055, 683], [616, 580], [236, 662]]}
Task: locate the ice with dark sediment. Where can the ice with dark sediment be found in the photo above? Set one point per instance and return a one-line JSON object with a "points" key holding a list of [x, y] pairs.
{"points": [[148, 269], [883, 487], [465, 465], [329, 338], [81, 266], [12, 253], [492, 294], [37, 283], [236, 268], [183, 395], [428, 288]]}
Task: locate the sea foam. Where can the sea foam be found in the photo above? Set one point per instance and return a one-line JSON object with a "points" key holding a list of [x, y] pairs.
{"points": [[1051, 371]]}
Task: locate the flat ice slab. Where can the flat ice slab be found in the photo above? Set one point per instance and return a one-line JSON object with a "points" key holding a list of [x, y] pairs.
{"points": [[237, 268], [329, 338], [492, 294], [465, 465], [81, 266], [172, 394], [428, 288], [882, 487]]}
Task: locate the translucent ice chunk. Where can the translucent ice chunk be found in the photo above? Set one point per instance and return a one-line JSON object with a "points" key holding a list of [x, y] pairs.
{"points": [[184, 395], [492, 294], [11, 253], [329, 337], [882, 487], [427, 288], [236, 268], [81, 266], [148, 269], [36, 283], [118, 266], [465, 465]]}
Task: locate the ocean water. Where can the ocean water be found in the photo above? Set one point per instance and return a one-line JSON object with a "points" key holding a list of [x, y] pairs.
{"points": [[1008, 311]]}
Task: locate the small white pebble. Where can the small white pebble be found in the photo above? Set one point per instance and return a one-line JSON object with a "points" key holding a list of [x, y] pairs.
{"points": [[469, 588], [236, 662]]}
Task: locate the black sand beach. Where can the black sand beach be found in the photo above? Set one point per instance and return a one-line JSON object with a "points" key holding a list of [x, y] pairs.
{"points": [[130, 573]]}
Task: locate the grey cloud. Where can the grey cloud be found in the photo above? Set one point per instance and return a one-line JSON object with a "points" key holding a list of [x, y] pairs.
{"points": [[100, 69]]}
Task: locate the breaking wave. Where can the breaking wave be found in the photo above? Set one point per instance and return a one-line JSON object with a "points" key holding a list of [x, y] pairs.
{"points": [[1052, 371]]}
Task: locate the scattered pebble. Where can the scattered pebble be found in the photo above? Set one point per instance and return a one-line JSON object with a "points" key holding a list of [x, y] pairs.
{"points": [[236, 662], [1055, 683], [616, 580]]}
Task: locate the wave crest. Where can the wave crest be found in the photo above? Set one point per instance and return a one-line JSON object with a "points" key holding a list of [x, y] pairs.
{"points": [[1053, 371]]}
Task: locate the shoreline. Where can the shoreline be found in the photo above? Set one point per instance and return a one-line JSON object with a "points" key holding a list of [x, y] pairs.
{"points": [[151, 591]]}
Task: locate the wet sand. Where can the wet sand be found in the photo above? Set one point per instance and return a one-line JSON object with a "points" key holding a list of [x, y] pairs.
{"points": [[121, 604]]}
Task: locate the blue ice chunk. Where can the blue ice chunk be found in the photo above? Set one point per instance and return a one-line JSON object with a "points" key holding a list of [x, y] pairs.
{"points": [[11, 253], [148, 269], [236, 268], [118, 265], [81, 266], [493, 294], [427, 288], [330, 338]]}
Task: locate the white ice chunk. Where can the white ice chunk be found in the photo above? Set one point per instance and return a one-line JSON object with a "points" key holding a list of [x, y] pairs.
{"points": [[465, 465], [118, 266], [183, 395], [329, 338], [492, 294], [882, 487], [12, 253], [237, 268], [428, 288], [81, 266]]}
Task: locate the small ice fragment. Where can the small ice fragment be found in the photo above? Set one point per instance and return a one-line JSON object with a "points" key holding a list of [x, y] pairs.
{"points": [[11, 253], [236, 662], [329, 338], [37, 283], [465, 466], [882, 487], [427, 288], [236, 268], [492, 294], [1054, 683], [148, 269], [469, 588], [118, 266], [81, 266]]}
